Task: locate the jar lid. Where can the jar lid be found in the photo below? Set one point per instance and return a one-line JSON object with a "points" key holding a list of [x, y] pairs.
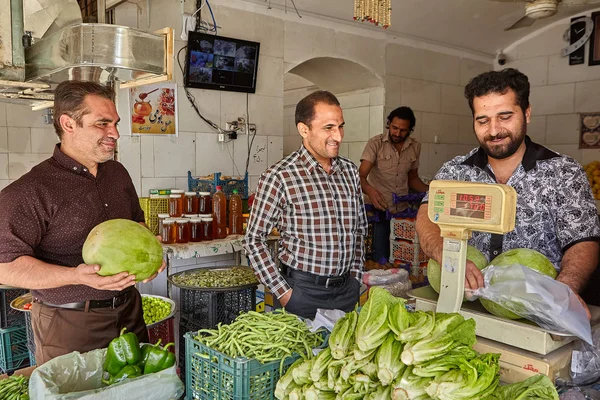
{"points": [[195, 219], [177, 191], [190, 193], [204, 215], [182, 220], [246, 215], [190, 215], [163, 215], [204, 193], [207, 219], [175, 196], [169, 221]]}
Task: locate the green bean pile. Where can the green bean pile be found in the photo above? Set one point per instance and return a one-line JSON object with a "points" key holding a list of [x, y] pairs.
{"points": [[14, 388], [262, 336], [225, 277]]}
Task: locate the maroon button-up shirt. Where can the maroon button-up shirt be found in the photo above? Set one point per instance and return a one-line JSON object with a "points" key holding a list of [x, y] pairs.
{"points": [[48, 213]]}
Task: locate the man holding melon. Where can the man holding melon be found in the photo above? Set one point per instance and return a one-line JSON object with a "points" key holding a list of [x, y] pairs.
{"points": [[556, 213], [46, 216]]}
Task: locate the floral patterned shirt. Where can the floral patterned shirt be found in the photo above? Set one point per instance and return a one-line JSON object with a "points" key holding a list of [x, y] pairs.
{"points": [[555, 206]]}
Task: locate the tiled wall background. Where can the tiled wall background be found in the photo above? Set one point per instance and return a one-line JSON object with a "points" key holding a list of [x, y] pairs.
{"points": [[429, 78]]}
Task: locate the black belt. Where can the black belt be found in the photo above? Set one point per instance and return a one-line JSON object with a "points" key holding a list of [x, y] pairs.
{"points": [[114, 302], [321, 280]]}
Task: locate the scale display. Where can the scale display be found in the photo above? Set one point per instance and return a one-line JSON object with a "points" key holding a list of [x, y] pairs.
{"points": [[471, 205]]}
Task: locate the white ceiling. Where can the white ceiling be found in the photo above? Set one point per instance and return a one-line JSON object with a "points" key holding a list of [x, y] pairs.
{"points": [[475, 25]]}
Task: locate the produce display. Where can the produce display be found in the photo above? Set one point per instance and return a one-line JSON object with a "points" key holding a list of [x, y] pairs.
{"points": [[527, 257], [386, 352], [126, 360], [121, 245], [592, 170], [155, 309], [216, 278], [262, 336], [434, 273], [15, 387]]}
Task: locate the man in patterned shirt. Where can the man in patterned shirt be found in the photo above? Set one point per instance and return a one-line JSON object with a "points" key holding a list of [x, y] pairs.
{"points": [[313, 197], [556, 213]]}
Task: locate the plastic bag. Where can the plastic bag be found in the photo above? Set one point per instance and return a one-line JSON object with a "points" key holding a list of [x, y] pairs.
{"points": [[585, 360], [399, 289], [79, 376], [536, 297], [379, 277]]}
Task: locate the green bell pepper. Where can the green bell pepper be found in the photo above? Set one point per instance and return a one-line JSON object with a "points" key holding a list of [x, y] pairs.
{"points": [[144, 351], [127, 372], [158, 358], [122, 350]]}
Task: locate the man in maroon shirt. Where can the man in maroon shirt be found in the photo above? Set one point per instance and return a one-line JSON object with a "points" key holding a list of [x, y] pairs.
{"points": [[46, 216]]}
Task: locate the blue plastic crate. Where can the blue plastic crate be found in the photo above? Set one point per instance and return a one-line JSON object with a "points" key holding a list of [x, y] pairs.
{"points": [[229, 184], [10, 317], [14, 353], [203, 185]]}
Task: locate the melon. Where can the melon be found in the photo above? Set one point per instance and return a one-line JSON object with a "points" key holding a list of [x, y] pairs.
{"points": [[434, 273], [122, 245], [526, 257]]}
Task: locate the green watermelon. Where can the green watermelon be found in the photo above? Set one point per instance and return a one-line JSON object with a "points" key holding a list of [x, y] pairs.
{"points": [[434, 273], [119, 245], [527, 257]]}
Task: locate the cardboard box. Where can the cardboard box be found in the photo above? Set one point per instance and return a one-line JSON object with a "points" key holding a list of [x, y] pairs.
{"points": [[517, 365]]}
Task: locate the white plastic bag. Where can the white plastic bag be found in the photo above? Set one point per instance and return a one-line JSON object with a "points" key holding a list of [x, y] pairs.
{"points": [[379, 277], [536, 297], [79, 376]]}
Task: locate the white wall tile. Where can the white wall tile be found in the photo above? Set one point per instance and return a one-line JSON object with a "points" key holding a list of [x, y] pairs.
{"points": [[174, 156], [208, 102], [424, 165], [21, 116], [355, 150], [124, 111], [2, 114], [126, 14], [19, 140], [291, 144], [147, 155], [131, 158], [316, 42], [3, 139], [259, 155], [561, 72], [159, 183], [469, 69], [536, 129], [535, 68], [252, 183], [466, 135], [562, 129], [571, 150], [4, 167], [4, 183], [354, 99], [267, 114], [19, 164], [417, 133], [453, 100], [445, 126], [269, 81], [443, 68], [357, 124], [437, 156], [233, 106], [393, 91], [545, 44], [554, 99], [365, 51], [421, 95], [587, 97], [275, 150], [376, 118], [212, 156], [43, 140], [377, 97], [344, 151], [587, 156], [404, 61]]}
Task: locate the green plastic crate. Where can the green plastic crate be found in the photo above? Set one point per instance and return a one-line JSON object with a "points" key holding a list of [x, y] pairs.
{"points": [[14, 353], [211, 375]]}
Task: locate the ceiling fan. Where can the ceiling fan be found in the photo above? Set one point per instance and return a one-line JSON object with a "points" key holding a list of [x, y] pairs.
{"points": [[540, 9]]}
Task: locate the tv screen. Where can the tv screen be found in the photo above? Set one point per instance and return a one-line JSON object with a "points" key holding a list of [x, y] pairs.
{"points": [[221, 63]]}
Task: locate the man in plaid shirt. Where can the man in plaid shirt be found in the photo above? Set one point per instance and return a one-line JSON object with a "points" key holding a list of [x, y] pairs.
{"points": [[313, 197]]}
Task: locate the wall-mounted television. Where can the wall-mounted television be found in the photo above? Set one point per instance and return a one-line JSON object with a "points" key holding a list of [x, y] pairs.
{"points": [[221, 63]]}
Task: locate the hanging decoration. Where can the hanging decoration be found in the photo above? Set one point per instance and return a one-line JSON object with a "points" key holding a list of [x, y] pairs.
{"points": [[379, 12]]}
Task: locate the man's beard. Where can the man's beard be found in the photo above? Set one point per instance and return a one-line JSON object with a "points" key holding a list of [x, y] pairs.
{"points": [[505, 150], [399, 139]]}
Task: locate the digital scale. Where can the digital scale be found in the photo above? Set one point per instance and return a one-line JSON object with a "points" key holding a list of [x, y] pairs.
{"points": [[459, 208]]}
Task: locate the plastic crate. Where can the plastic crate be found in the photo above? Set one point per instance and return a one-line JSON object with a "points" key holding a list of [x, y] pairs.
{"points": [[29, 332], [10, 317], [163, 330], [212, 375], [208, 308], [203, 185], [229, 184], [14, 353], [407, 252], [152, 207], [403, 228], [31, 357]]}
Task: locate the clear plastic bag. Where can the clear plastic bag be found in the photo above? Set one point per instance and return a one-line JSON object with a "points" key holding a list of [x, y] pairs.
{"points": [[379, 277], [79, 376], [536, 297], [399, 289], [585, 360]]}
